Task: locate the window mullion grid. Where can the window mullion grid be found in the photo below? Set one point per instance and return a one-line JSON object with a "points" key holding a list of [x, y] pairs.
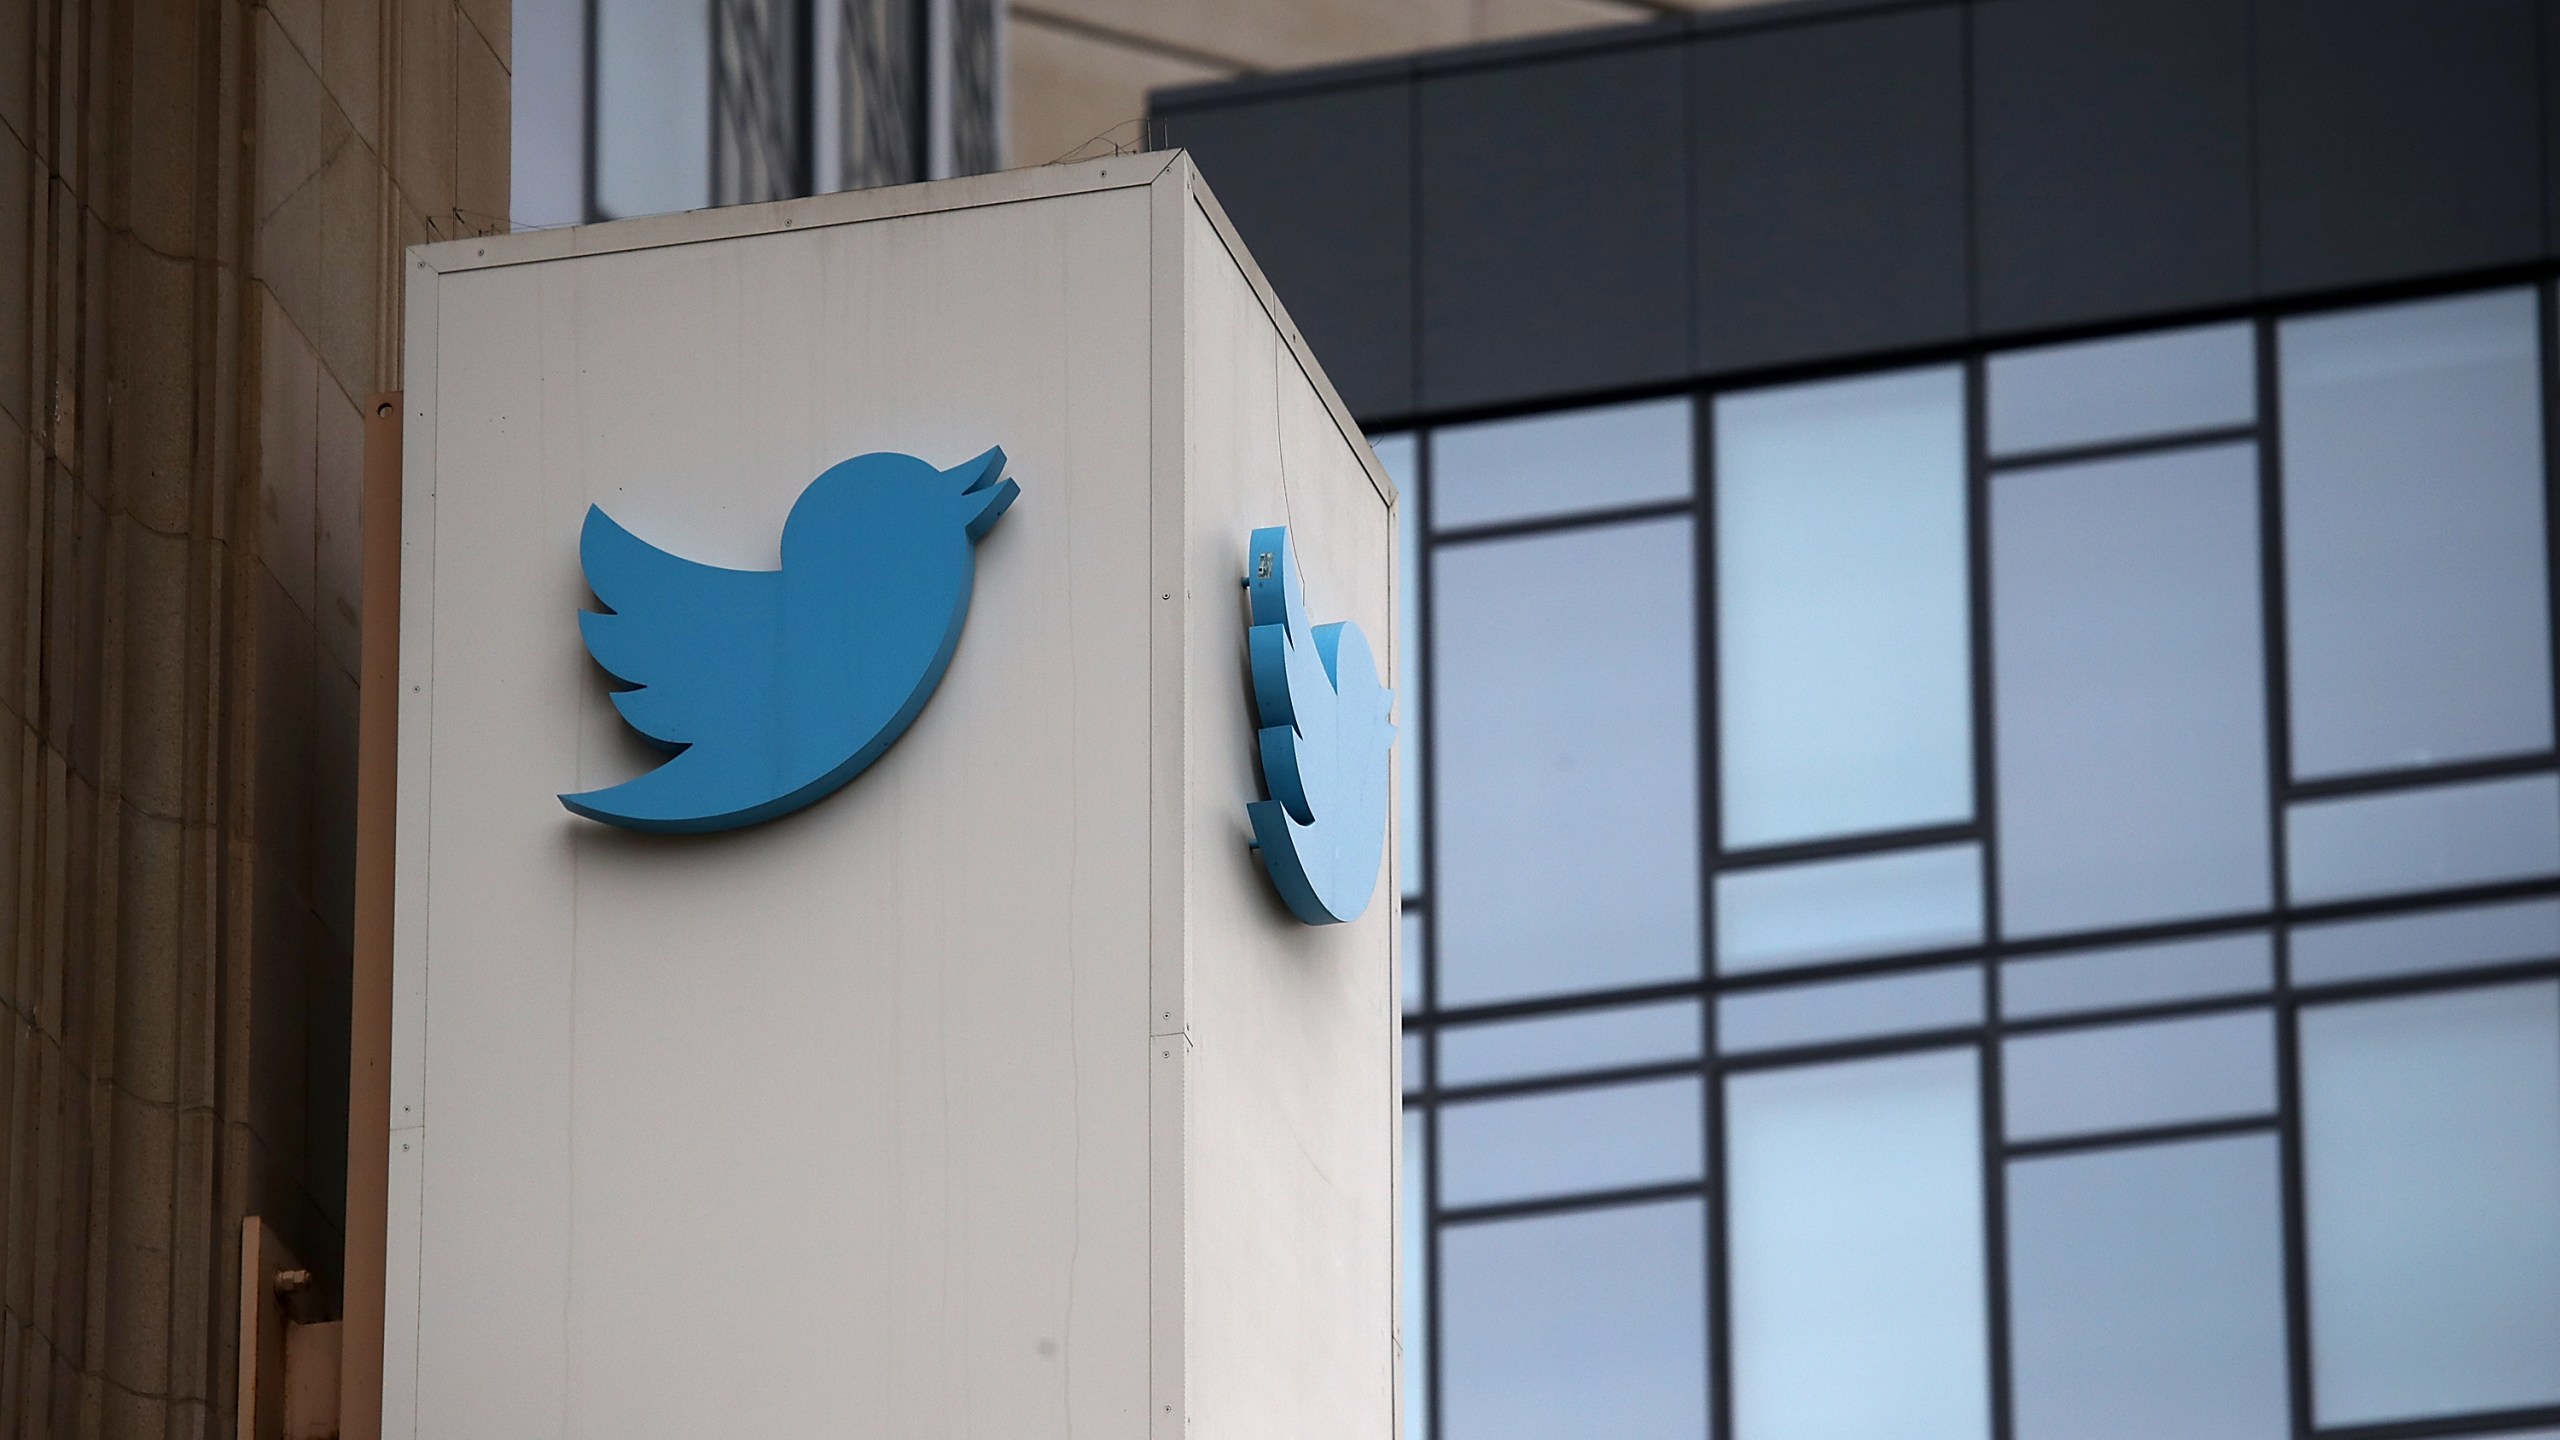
{"points": [[1702, 570], [2279, 712], [1995, 1176]]}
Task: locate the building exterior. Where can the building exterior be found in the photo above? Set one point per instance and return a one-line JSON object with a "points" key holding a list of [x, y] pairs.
{"points": [[629, 107], [202, 210], [1979, 697]]}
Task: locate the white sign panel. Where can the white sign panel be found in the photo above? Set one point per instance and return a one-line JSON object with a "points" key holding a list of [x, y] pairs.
{"points": [[993, 1089]]}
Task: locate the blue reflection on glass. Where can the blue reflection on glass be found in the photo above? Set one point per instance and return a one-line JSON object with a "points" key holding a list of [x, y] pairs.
{"points": [[1772, 917], [2429, 839], [1416, 1281], [2130, 691], [1559, 462], [1855, 1226], [2146, 1293], [2124, 388], [1575, 1040], [1566, 784], [2122, 975], [1898, 1004], [1562, 1142], [2431, 1173], [2416, 608], [1583, 1324], [1845, 700], [2126, 1077], [2429, 940], [653, 106]]}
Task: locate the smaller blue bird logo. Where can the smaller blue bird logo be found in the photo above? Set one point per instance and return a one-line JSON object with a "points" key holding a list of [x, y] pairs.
{"points": [[775, 687], [1325, 738]]}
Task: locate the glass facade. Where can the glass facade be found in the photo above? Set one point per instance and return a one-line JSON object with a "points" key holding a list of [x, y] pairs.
{"points": [[724, 102], [2014, 898]]}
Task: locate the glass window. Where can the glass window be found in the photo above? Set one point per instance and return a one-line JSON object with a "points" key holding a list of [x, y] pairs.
{"points": [[1773, 917], [1416, 1347], [1591, 1323], [1845, 700], [2146, 1293], [1560, 462], [653, 106], [1849, 1009], [1395, 456], [2429, 940], [1855, 1227], [1413, 1065], [1417, 958], [2131, 690], [2415, 600], [2127, 388], [2402, 840], [1567, 790], [2124, 975], [2128, 1077], [1575, 1040], [1563, 1142], [2431, 1176]]}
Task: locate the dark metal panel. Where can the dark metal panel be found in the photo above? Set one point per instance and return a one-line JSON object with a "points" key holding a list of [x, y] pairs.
{"points": [[2396, 139], [1553, 245], [1830, 188], [1320, 185], [2111, 159]]}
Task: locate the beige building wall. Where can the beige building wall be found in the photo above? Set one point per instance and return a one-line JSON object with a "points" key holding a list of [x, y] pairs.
{"points": [[201, 209], [1078, 71]]}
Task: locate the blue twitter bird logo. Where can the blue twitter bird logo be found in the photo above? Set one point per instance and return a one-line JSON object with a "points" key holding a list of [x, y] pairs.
{"points": [[1325, 738], [775, 687]]}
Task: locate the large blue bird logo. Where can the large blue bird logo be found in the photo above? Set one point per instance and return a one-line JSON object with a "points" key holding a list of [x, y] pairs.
{"points": [[774, 687], [1325, 738]]}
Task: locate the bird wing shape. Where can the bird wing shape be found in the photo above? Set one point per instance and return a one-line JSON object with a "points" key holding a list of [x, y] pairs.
{"points": [[697, 639]]}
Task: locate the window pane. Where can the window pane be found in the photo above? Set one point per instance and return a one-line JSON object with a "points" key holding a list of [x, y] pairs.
{"points": [[653, 106], [1567, 787], [1560, 462], [1416, 958], [1395, 456], [2131, 691], [2432, 940], [2400, 840], [1898, 902], [2431, 1179], [1417, 1275], [2127, 1077], [1846, 700], [1577, 1040], [1856, 1234], [2122, 389], [2123, 975], [1849, 1009], [1572, 1325], [2147, 1293], [2413, 534], [1599, 1137]]}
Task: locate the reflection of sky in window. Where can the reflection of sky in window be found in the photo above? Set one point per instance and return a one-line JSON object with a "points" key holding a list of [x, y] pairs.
{"points": [[2430, 1179], [1845, 700], [653, 106], [1560, 462], [1856, 1222], [2416, 606], [2130, 690], [1566, 785], [1590, 1323], [2146, 1293]]}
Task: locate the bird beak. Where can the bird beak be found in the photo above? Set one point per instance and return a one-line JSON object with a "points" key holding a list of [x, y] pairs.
{"points": [[983, 478]]}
